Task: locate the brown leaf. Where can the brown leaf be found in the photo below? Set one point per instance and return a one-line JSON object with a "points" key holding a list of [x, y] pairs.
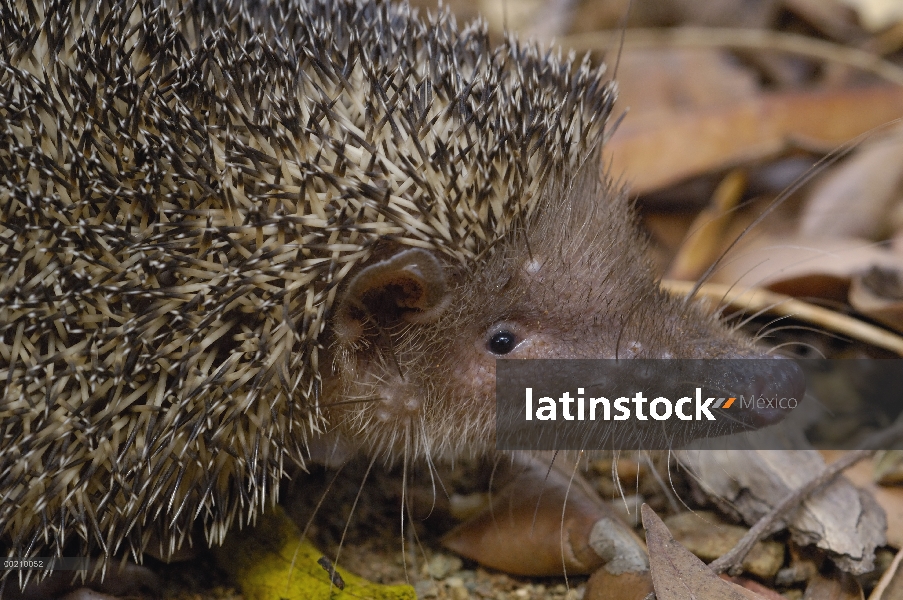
{"points": [[658, 148], [829, 17], [803, 267], [725, 13], [705, 237], [877, 14], [856, 197], [839, 519], [604, 585], [525, 531], [677, 574], [654, 80]]}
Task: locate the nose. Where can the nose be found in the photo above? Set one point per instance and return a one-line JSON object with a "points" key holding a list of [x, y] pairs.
{"points": [[776, 385]]}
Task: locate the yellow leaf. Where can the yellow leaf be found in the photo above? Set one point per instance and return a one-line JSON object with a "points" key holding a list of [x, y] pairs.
{"points": [[269, 562]]}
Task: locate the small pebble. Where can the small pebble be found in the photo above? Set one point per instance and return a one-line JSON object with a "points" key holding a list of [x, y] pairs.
{"points": [[456, 589], [441, 566], [574, 594], [426, 589]]}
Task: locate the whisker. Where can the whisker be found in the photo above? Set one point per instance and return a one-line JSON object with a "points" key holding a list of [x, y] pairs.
{"points": [[404, 490], [617, 480], [672, 501], [307, 526], [767, 327], [671, 479], [434, 475], [564, 505], [357, 497], [495, 465], [797, 343], [413, 531], [542, 491], [821, 331], [752, 317]]}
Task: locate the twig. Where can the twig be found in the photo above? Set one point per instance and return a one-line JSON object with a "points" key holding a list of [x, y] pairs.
{"points": [[761, 39], [781, 305]]}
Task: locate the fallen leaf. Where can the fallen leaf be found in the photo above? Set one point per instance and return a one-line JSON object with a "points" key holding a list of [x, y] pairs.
{"points": [[829, 17], [677, 574], [526, 532], [856, 197], [705, 238], [725, 13], [661, 147], [840, 519], [270, 562], [655, 79], [889, 467], [604, 585], [803, 267]]}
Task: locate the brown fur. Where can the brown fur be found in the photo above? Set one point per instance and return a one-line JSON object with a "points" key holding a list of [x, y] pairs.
{"points": [[575, 282]]}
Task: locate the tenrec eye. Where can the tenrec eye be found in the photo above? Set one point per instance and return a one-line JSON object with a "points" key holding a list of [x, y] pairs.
{"points": [[502, 342]]}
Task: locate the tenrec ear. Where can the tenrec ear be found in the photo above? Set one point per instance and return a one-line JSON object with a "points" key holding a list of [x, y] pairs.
{"points": [[410, 286]]}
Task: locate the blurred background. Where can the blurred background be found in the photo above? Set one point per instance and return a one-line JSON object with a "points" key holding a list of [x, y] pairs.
{"points": [[780, 117]]}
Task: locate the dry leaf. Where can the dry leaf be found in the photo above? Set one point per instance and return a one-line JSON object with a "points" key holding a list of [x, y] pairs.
{"points": [[829, 17], [705, 238], [889, 498], [604, 585], [658, 148], [840, 519], [652, 81], [725, 13], [803, 267], [878, 293], [525, 531], [271, 561], [677, 574], [856, 198]]}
